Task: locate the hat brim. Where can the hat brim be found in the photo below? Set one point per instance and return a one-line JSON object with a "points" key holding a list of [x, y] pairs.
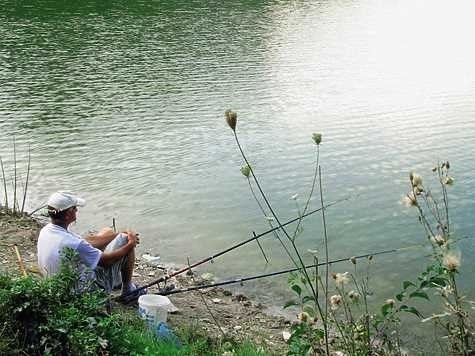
{"points": [[80, 202]]}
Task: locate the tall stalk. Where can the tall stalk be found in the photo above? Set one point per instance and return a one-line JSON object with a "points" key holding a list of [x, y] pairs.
{"points": [[4, 184], [15, 176], [264, 197], [311, 190], [327, 259], [276, 234], [27, 179], [231, 119]]}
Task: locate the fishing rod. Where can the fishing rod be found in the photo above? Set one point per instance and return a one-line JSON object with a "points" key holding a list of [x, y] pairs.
{"points": [[271, 274], [211, 258]]}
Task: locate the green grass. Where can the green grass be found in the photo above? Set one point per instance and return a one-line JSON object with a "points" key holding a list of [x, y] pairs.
{"points": [[49, 317]]}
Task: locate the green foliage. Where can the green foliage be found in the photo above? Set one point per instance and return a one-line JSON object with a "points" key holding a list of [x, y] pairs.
{"points": [[53, 317]]}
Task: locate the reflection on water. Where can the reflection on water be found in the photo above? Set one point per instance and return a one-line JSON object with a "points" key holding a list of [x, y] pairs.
{"points": [[123, 102]]}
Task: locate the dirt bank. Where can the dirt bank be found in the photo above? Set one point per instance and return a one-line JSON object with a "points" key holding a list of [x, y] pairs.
{"points": [[216, 310]]}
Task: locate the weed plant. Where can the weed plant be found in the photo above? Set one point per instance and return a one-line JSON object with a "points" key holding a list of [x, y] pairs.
{"points": [[335, 315]]}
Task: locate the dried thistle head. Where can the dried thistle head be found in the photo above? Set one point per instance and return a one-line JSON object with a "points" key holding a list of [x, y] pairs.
{"points": [[304, 317], [341, 279], [353, 260], [438, 240], [353, 295], [410, 200], [448, 181], [451, 261], [335, 301], [231, 119], [390, 302], [317, 138], [416, 180]]}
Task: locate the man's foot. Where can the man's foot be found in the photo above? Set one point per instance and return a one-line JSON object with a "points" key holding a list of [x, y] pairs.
{"points": [[166, 289], [132, 292]]}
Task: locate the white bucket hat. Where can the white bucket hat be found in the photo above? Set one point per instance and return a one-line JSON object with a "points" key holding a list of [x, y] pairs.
{"points": [[60, 201]]}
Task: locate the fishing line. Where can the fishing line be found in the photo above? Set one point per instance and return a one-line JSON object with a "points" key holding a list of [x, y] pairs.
{"points": [[211, 258], [271, 274]]}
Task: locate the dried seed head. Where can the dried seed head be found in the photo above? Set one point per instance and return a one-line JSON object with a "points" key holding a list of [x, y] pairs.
{"points": [[410, 200], [341, 279], [353, 295], [447, 164], [335, 301], [438, 240], [231, 119], [304, 317], [418, 189], [416, 180], [317, 138], [451, 261], [370, 258], [246, 170], [353, 260], [390, 302], [434, 169], [448, 181]]}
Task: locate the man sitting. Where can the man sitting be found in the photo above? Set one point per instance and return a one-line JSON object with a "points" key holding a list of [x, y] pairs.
{"points": [[107, 258]]}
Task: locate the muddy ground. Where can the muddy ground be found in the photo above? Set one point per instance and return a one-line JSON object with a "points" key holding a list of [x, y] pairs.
{"points": [[216, 310]]}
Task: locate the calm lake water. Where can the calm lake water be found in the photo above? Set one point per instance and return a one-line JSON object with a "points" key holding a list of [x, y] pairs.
{"points": [[123, 103]]}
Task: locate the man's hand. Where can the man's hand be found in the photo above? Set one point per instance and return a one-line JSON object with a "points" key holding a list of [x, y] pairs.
{"points": [[132, 237]]}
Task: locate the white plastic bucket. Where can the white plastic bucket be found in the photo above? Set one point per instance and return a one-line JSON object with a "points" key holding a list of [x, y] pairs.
{"points": [[153, 309]]}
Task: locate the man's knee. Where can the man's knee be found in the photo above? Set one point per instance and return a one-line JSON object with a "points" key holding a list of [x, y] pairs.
{"points": [[119, 241]]}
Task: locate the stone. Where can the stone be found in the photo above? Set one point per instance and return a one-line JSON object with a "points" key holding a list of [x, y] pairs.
{"points": [[207, 276]]}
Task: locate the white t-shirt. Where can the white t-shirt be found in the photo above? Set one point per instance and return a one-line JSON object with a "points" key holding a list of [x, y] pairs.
{"points": [[53, 239]]}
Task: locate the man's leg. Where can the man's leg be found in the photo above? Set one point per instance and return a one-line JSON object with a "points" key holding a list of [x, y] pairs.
{"points": [[127, 271], [119, 273], [102, 238]]}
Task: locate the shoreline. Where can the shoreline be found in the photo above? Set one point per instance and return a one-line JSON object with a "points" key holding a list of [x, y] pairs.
{"points": [[216, 310]]}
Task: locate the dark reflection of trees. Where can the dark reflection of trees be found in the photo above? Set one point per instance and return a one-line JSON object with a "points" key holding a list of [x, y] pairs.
{"points": [[66, 60], [61, 8]]}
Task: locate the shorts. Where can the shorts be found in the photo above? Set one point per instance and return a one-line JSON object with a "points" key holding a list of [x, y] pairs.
{"points": [[110, 277]]}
